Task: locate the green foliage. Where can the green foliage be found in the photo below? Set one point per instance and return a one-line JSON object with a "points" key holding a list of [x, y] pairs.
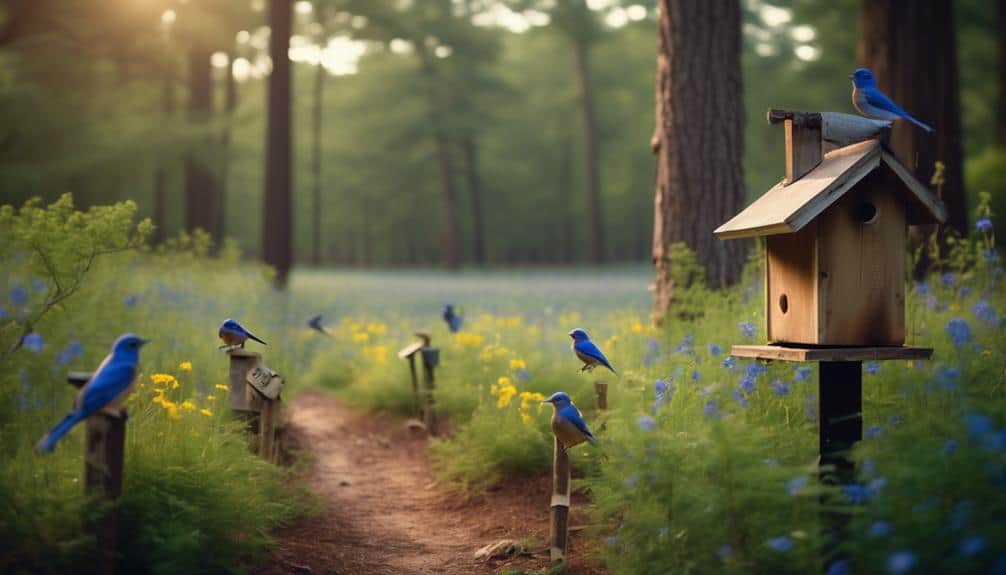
{"points": [[986, 174]]}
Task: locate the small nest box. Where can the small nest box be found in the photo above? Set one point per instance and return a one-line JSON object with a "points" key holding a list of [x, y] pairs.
{"points": [[836, 230]]}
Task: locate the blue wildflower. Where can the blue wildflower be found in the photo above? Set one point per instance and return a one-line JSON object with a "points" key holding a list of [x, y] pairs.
{"points": [[922, 288], [869, 469], [880, 529], [131, 300], [611, 540], [631, 481], [729, 362], [3, 312], [39, 285], [663, 392], [748, 329], [901, 562], [19, 296], [978, 425], [714, 350], [971, 545], [984, 312], [740, 399], [725, 552], [872, 367], [1000, 566], [949, 447], [933, 303], [783, 543], [874, 486], [747, 384], [795, 486], [948, 279], [961, 514], [696, 376], [991, 255], [855, 493], [646, 423], [959, 331], [840, 567], [964, 292], [802, 374], [984, 225], [34, 342], [712, 410], [771, 462], [779, 388], [874, 431]]}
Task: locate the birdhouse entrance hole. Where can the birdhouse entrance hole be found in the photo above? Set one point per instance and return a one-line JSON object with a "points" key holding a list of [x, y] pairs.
{"points": [[866, 213], [784, 303]]}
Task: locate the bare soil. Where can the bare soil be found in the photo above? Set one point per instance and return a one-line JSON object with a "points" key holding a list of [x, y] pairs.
{"points": [[384, 513]]}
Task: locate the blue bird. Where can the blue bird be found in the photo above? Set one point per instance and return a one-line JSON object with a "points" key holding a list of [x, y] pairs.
{"points": [[234, 335], [588, 352], [315, 324], [567, 423], [106, 390], [453, 320], [873, 103]]}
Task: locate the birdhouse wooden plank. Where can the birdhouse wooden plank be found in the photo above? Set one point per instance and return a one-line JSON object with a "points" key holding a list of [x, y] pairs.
{"points": [[836, 236]]}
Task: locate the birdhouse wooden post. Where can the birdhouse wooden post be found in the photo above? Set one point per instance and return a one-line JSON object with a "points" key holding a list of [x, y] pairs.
{"points": [[431, 359], [835, 230], [558, 531], [409, 353], [255, 397], [104, 454]]}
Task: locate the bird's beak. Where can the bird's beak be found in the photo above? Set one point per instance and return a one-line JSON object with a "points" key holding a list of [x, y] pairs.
{"points": [[547, 401], [144, 342], [850, 76]]}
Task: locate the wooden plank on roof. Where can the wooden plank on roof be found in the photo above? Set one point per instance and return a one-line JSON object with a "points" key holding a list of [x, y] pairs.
{"points": [[787, 353], [930, 202], [787, 209]]}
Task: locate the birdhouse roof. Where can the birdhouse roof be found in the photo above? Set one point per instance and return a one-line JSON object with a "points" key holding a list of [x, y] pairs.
{"points": [[788, 208]]}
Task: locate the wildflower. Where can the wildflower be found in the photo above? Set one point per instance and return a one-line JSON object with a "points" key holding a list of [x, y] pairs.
{"points": [[185, 366], [984, 312], [747, 384], [33, 342], [646, 423], [172, 410], [516, 364], [211, 398], [961, 514], [636, 327], [206, 412], [782, 543], [504, 391], [901, 562], [725, 552], [729, 362], [795, 486], [949, 447], [631, 481], [922, 288], [840, 567], [522, 375], [971, 545], [714, 350], [188, 405], [377, 328], [978, 425], [879, 529], [771, 462], [755, 369], [779, 388], [959, 331], [131, 300], [526, 418], [162, 378], [712, 410], [740, 399], [984, 225], [874, 431], [964, 292], [361, 337], [696, 376], [529, 399], [19, 296], [802, 374], [611, 540], [469, 339], [664, 391], [3, 312], [872, 367], [991, 255], [948, 279], [222, 387], [748, 329]]}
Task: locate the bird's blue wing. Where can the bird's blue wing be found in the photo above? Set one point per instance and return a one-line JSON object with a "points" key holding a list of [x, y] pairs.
{"points": [[878, 99], [572, 414], [587, 347], [112, 379]]}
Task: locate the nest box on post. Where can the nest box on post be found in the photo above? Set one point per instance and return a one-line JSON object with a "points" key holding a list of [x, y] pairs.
{"points": [[836, 231]]}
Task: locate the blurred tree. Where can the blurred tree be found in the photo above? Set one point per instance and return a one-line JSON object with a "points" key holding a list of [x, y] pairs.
{"points": [[1001, 106], [698, 139], [912, 50], [277, 245]]}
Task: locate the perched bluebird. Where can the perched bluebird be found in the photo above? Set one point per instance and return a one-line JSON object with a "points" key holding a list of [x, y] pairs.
{"points": [[873, 103], [315, 324], [106, 390], [452, 318], [235, 336], [567, 423], [588, 352]]}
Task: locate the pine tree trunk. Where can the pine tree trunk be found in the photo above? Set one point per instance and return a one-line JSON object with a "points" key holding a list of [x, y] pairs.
{"points": [[164, 167], [230, 105], [912, 49], [319, 91], [277, 248], [699, 139], [566, 197], [200, 192], [474, 190], [595, 227]]}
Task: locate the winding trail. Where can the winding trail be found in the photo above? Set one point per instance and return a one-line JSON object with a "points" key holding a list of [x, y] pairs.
{"points": [[382, 511]]}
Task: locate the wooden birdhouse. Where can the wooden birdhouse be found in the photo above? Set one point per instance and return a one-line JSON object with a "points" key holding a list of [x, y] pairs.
{"points": [[835, 231]]}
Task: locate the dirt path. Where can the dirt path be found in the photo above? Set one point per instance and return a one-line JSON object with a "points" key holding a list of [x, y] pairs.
{"points": [[383, 512]]}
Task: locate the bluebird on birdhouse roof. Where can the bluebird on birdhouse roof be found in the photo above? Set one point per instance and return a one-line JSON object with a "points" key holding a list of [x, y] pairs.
{"points": [[836, 230]]}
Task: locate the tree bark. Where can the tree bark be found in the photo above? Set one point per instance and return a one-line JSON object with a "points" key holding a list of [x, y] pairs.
{"points": [[164, 167], [699, 139], [230, 105], [277, 247], [319, 91], [475, 191], [566, 197], [912, 50], [595, 227], [200, 200]]}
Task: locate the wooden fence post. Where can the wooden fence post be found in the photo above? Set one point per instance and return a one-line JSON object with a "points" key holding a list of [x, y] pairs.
{"points": [[558, 532], [431, 358], [243, 400], [104, 450], [601, 391], [409, 352], [254, 396], [840, 426]]}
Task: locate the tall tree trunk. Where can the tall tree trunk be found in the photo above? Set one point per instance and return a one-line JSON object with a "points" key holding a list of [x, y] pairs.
{"points": [[164, 167], [592, 178], [277, 247], [912, 49], [230, 106], [319, 91], [699, 139], [1001, 107], [200, 204], [566, 197], [474, 190]]}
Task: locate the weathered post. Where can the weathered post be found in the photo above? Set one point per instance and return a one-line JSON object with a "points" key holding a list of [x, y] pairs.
{"points": [[409, 352], [242, 400], [104, 449], [254, 397], [431, 358], [558, 532], [601, 392]]}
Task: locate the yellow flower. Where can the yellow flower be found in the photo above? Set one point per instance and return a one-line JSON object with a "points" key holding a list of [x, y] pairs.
{"points": [[472, 339], [162, 378], [206, 412], [222, 387], [188, 405], [503, 381], [185, 366], [501, 351], [512, 322], [516, 364], [504, 391], [377, 328], [529, 398], [361, 337], [175, 384], [526, 417], [376, 353], [172, 410], [637, 327], [211, 398]]}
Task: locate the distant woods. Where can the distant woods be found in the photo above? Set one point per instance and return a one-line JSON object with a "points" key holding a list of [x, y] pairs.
{"points": [[446, 132]]}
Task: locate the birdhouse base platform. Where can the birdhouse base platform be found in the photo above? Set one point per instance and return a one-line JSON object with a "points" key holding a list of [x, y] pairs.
{"points": [[827, 354]]}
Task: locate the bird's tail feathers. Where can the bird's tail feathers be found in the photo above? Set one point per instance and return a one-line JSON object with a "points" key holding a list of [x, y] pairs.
{"points": [[250, 336], [48, 443], [922, 125], [591, 440]]}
